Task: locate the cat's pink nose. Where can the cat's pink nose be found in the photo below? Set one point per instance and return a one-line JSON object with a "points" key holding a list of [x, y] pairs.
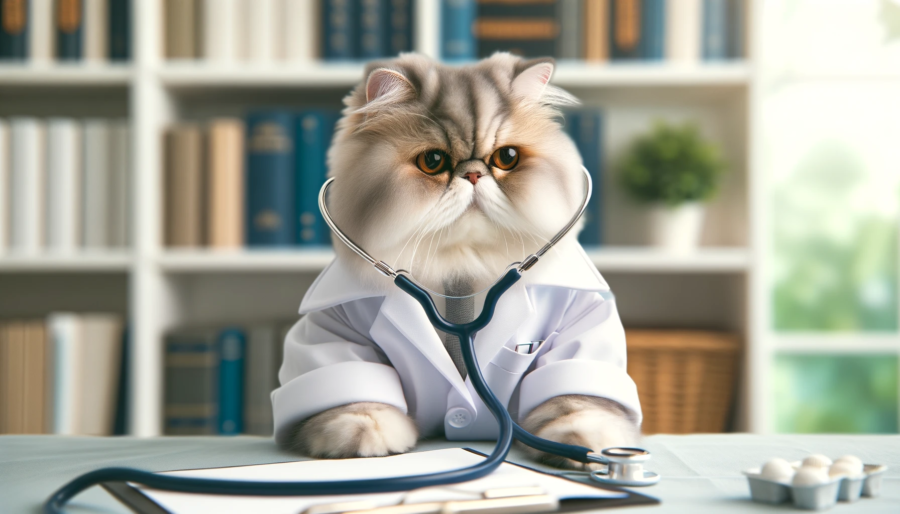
{"points": [[473, 177]]}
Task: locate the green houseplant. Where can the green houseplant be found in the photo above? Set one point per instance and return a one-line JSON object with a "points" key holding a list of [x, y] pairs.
{"points": [[674, 170]]}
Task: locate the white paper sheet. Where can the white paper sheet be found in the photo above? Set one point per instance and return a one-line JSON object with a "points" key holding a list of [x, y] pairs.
{"points": [[508, 475]]}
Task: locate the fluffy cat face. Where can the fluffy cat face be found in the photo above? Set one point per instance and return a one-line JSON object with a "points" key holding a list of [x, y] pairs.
{"points": [[453, 173]]}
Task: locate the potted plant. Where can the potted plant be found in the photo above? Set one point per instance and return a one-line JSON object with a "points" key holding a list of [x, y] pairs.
{"points": [[675, 170]]}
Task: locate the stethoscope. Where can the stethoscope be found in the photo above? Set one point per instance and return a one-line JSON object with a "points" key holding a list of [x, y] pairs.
{"points": [[624, 465]]}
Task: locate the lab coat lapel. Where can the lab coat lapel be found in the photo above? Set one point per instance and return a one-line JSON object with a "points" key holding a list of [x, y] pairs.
{"points": [[512, 310]]}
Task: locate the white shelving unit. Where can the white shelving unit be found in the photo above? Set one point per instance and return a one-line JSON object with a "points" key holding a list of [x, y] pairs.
{"points": [[717, 287]]}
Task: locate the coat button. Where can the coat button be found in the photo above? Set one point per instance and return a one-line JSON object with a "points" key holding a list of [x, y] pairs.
{"points": [[458, 417]]}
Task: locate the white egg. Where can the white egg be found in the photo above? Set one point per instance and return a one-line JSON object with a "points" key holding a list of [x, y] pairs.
{"points": [[854, 462], [817, 461], [842, 469], [777, 470], [808, 475]]}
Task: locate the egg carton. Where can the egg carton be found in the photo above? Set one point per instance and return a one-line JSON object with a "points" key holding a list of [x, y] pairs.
{"points": [[819, 496]]}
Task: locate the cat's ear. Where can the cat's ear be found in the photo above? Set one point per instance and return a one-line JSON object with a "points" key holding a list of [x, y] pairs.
{"points": [[387, 86], [532, 81]]}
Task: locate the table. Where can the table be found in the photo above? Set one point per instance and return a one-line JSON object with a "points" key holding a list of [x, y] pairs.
{"points": [[701, 473]]}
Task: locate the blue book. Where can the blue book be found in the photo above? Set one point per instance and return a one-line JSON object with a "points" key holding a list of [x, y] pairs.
{"points": [[457, 39], [270, 179], [69, 17], [400, 24], [585, 127], [14, 22], [119, 30], [313, 131], [714, 40], [653, 28], [373, 29], [339, 29], [120, 423], [626, 33], [231, 347], [191, 384]]}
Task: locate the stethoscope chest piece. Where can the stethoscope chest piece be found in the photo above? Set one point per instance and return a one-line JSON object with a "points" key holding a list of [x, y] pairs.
{"points": [[625, 467]]}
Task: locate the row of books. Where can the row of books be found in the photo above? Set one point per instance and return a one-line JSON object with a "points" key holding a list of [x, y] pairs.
{"points": [[262, 31], [63, 375], [585, 127], [594, 30], [66, 30], [219, 380], [252, 182], [64, 184]]}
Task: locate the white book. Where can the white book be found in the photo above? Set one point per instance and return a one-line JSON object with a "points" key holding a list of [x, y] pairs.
{"points": [[4, 184], [221, 34], [684, 22], [65, 336], [99, 366], [63, 201], [40, 36], [262, 30], [96, 27], [26, 185], [299, 34], [120, 184], [96, 183]]}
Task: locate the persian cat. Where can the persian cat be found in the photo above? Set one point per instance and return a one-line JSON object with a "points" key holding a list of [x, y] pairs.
{"points": [[453, 173]]}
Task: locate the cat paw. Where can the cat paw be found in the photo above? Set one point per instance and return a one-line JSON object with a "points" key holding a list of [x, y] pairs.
{"points": [[588, 421], [354, 430]]}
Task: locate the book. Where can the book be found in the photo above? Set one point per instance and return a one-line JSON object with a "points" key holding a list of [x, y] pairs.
{"points": [[64, 332], [715, 30], [40, 45], [99, 365], [269, 179], [571, 22], [373, 29], [191, 389], [301, 30], [457, 39], [625, 29], [225, 216], [35, 395], [230, 347], [184, 186], [26, 185], [14, 22], [596, 30], [222, 36], [181, 29], [69, 16], [737, 32], [123, 388], [14, 372], [522, 27], [5, 161], [653, 29], [585, 127], [263, 358], [96, 23], [63, 220], [683, 23], [399, 27], [96, 204], [314, 131], [119, 30], [120, 218], [340, 29], [261, 18]]}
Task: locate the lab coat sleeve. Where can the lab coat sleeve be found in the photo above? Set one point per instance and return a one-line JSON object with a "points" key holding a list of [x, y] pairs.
{"points": [[328, 362], [585, 355]]}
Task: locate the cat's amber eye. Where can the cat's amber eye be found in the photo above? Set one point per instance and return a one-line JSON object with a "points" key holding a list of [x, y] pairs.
{"points": [[505, 158], [432, 161]]}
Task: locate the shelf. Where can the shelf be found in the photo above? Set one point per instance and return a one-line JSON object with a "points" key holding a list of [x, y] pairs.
{"points": [[651, 75], [106, 262], [649, 260], [200, 75], [875, 342], [58, 75]]}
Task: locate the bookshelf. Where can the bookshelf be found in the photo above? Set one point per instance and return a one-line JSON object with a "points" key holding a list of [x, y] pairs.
{"points": [[161, 288]]}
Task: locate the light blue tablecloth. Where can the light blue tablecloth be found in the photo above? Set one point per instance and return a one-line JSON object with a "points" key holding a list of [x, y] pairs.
{"points": [[701, 473]]}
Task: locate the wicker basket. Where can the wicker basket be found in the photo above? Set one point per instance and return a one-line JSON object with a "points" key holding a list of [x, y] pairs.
{"points": [[685, 378]]}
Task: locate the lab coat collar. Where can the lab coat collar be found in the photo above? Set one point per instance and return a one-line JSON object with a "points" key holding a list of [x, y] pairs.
{"points": [[566, 266]]}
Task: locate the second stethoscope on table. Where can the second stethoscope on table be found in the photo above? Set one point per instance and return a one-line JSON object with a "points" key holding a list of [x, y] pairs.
{"points": [[624, 465]]}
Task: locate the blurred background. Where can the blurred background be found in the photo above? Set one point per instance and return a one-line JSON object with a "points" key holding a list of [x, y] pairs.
{"points": [[160, 160]]}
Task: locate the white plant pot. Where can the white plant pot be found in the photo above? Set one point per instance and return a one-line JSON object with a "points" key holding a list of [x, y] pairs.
{"points": [[677, 229]]}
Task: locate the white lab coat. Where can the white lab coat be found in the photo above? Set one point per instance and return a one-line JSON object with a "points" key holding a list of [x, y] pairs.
{"points": [[359, 343]]}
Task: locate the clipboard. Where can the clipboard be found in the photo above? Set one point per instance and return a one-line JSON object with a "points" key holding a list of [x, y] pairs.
{"points": [[137, 501]]}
